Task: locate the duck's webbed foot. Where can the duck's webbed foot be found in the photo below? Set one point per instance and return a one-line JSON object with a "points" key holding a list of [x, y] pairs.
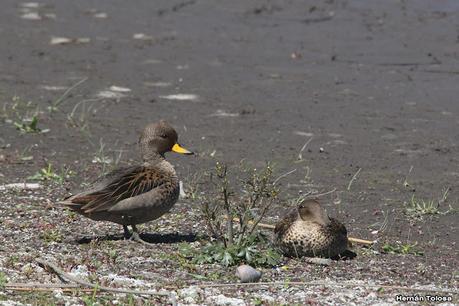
{"points": [[136, 237], [127, 234]]}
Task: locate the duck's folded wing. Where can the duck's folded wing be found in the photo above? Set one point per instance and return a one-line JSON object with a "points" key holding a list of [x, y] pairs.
{"points": [[284, 224], [158, 199], [337, 227], [111, 177], [113, 188]]}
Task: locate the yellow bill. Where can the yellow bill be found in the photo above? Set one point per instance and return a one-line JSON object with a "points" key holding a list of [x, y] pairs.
{"points": [[178, 149]]}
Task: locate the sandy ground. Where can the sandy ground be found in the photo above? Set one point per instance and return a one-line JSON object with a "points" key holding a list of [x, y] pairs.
{"points": [[369, 86]]}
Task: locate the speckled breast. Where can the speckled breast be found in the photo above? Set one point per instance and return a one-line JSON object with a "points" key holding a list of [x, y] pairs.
{"points": [[311, 240]]}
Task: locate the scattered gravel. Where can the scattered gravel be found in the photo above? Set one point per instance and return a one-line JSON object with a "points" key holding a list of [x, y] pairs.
{"points": [[52, 232]]}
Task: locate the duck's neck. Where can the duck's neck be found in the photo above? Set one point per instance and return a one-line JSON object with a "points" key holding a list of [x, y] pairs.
{"points": [[157, 160], [152, 158]]}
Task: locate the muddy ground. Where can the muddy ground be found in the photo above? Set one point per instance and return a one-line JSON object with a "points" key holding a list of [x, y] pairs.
{"points": [[360, 96]]}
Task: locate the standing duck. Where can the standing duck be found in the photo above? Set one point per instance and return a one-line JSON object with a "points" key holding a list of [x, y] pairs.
{"points": [[308, 231], [135, 194]]}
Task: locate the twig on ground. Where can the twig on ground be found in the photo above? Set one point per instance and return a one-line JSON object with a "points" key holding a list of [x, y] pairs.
{"points": [[405, 182], [283, 175], [361, 241], [41, 285], [318, 195], [300, 155], [45, 287], [54, 268], [444, 196], [353, 179]]}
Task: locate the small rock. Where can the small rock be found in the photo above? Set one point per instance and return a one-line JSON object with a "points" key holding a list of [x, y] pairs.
{"points": [[30, 4], [100, 15], [142, 36], [223, 300], [60, 40], [80, 271], [119, 89], [54, 88], [82, 40], [50, 15], [107, 94], [157, 84], [247, 274], [191, 294], [181, 97], [222, 113], [123, 280], [66, 41], [267, 298], [31, 16], [372, 296]]}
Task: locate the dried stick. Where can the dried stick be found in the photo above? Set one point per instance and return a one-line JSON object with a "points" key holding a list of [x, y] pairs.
{"points": [[45, 287], [257, 221], [318, 195], [361, 241], [300, 155], [353, 179], [54, 268], [14, 286], [283, 175]]}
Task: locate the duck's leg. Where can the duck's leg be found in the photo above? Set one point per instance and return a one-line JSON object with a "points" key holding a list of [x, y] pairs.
{"points": [[127, 234], [136, 237]]}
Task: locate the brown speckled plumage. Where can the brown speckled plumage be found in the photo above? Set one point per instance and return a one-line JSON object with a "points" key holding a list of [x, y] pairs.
{"points": [[308, 231], [135, 194]]}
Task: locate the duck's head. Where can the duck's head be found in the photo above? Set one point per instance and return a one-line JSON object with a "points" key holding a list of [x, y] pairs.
{"points": [[159, 138], [310, 210]]}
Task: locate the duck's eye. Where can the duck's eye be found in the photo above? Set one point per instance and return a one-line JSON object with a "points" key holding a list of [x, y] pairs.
{"points": [[163, 136]]}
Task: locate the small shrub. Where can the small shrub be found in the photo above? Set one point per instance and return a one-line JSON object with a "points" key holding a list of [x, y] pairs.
{"points": [[418, 208], [51, 235], [11, 261], [232, 217], [28, 125], [48, 174], [23, 115], [256, 253], [3, 280]]}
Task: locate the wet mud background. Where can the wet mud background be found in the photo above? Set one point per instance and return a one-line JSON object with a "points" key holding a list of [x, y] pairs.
{"points": [[360, 96]]}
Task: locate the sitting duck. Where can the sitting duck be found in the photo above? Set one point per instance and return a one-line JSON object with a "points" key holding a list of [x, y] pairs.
{"points": [[308, 231]]}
